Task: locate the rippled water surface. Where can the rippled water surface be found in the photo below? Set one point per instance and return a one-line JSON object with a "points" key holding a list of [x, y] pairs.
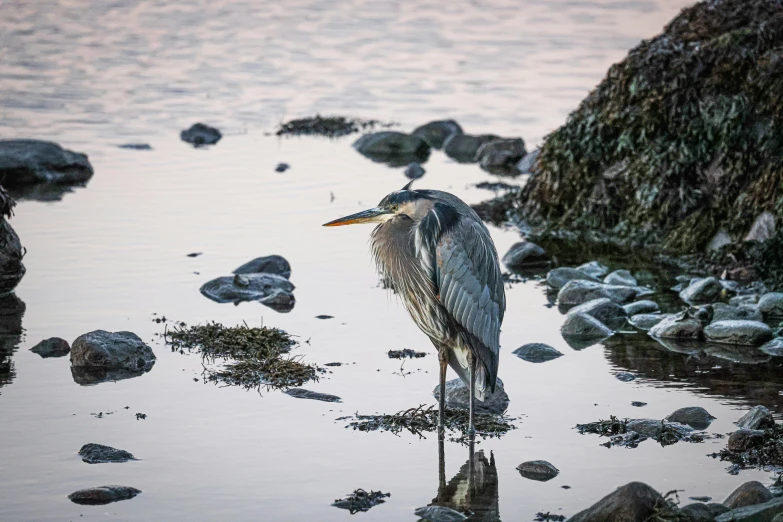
{"points": [[92, 75]]}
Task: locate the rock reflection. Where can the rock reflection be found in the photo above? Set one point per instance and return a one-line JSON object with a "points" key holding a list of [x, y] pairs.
{"points": [[11, 312]]}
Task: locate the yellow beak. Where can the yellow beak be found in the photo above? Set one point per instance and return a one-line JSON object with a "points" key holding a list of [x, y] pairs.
{"points": [[372, 215]]}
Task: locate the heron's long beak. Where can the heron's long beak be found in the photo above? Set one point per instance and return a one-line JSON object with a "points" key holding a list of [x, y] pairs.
{"points": [[372, 215]]}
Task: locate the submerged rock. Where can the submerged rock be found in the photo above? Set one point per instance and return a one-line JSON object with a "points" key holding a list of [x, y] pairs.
{"points": [[647, 321], [757, 418], [576, 292], [103, 495], [270, 289], [655, 428], [112, 350], [437, 132], [724, 312], [604, 310], [634, 502], [746, 333], [678, 327], [394, 148], [539, 470], [771, 304], [747, 494], [525, 254], [457, 398], [463, 148], [641, 307], [558, 277], [755, 513], [593, 268], [705, 290], [620, 277], [273, 264], [361, 500], [501, 154], [583, 326], [135, 146], [98, 453], [537, 353], [52, 347], [27, 162], [282, 167], [414, 171], [439, 514], [694, 416], [200, 134], [301, 393]]}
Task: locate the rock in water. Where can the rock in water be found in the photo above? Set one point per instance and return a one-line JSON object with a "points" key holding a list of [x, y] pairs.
{"points": [[115, 350], [52, 347], [436, 132], [699, 512], [724, 312], [501, 154], [439, 514], [103, 495], [755, 513], [748, 494], [620, 277], [634, 502], [539, 470], [694, 416], [774, 347], [282, 167], [361, 500], [771, 304], [605, 310], [745, 439], [678, 327], [301, 393], [394, 148], [273, 264], [576, 292], [647, 321], [593, 268], [558, 277], [537, 353], [135, 146], [641, 307], [200, 134], [582, 326], [705, 290], [98, 453], [746, 333], [270, 289], [414, 171], [457, 397], [11, 253], [757, 418], [525, 254], [27, 162], [463, 148]]}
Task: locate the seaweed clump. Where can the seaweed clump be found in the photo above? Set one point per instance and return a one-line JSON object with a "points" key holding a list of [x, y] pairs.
{"points": [[259, 356], [361, 500], [766, 450], [330, 127], [681, 140]]}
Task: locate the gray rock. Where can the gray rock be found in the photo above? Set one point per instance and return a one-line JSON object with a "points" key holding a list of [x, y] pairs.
{"points": [[301, 393], [529, 163], [273, 264], [113, 350], [605, 310], [457, 397], [270, 289], [641, 307], [694, 416], [98, 453], [620, 277], [135, 146], [774, 347], [414, 171], [757, 418], [724, 312], [200, 134], [539, 470], [103, 495], [705, 290], [558, 277], [12, 269], [746, 333], [394, 148], [634, 502], [537, 353], [771, 304], [678, 327], [576, 292], [525, 254], [27, 162], [719, 240], [500, 154], [593, 268], [436, 132], [647, 321], [52, 347], [759, 513], [763, 228], [583, 326], [745, 439], [699, 512], [439, 514], [748, 494], [625, 376], [463, 148], [749, 299], [652, 427], [282, 167]]}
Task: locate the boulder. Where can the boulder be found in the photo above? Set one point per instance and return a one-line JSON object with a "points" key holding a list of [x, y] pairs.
{"points": [[529, 163], [270, 289], [763, 228], [745, 439], [705, 290], [727, 312], [439, 514], [394, 148], [414, 171], [200, 134], [593, 268], [678, 327], [620, 277], [757, 418], [98, 453], [28, 162], [757, 513], [273, 264], [539, 470], [747, 299], [301, 393], [525, 254], [694, 416], [558, 277], [771, 304], [457, 397], [500, 154], [103, 495], [537, 353], [641, 307], [774, 347], [646, 321], [463, 148], [605, 310], [576, 292], [748, 494], [698, 512], [52, 347], [436, 132], [583, 326], [112, 350], [634, 502], [746, 333]]}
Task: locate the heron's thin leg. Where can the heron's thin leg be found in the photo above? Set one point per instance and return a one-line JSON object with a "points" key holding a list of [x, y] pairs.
{"points": [[472, 370], [441, 469], [444, 359]]}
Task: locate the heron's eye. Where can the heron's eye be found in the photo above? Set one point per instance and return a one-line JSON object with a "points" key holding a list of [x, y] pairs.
{"points": [[395, 208]]}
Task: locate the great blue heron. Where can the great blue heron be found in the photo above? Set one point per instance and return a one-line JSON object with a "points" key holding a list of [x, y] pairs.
{"points": [[439, 257]]}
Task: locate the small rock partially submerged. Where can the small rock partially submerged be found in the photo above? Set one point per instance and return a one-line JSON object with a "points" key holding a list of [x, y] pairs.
{"points": [[694, 416], [301, 393], [604, 310], [593, 268], [620, 277], [634, 502], [394, 148], [771, 304], [537, 353], [271, 290], [757, 418], [282, 167], [98, 453], [406, 352], [641, 307], [437, 132], [414, 171], [756, 513], [458, 398], [539, 470], [738, 332], [501, 156], [525, 254], [463, 148], [115, 356], [576, 292], [727, 312], [52, 347], [583, 326], [273, 264], [361, 500], [439, 514], [678, 326], [707, 290], [200, 134], [28, 162], [103, 495], [558, 277], [748, 494], [135, 146]]}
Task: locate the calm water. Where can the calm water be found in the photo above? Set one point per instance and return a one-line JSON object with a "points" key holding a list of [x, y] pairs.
{"points": [[91, 75]]}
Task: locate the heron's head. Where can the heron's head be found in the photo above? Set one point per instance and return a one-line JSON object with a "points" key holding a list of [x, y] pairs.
{"points": [[400, 203]]}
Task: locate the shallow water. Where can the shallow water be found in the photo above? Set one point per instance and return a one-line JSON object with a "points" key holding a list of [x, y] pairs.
{"points": [[111, 255]]}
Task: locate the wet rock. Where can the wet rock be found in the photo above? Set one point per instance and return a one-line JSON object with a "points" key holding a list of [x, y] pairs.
{"points": [[576, 292], [439, 514], [324, 316], [625, 376], [525, 254], [774, 347], [11, 252], [604, 310], [414, 171], [501, 154], [135, 146], [269, 289], [678, 327], [200, 134], [529, 163], [746, 333], [757, 418], [112, 350], [282, 167], [749, 299], [582, 326], [52, 347], [537, 353], [435, 133], [724, 312], [394, 148], [745, 439], [620, 277], [698, 512], [771, 304], [593, 268], [98, 453], [103, 495], [763, 228], [634, 502], [301, 393], [540, 470], [705, 290], [406, 352], [647, 321], [694, 416], [641, 307], [638, 404], [558, 277], [28, 162], [273, 264], [748, 494], [361, 500], [463, 148], [457, 397], [757, 513], [653, 428]]}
